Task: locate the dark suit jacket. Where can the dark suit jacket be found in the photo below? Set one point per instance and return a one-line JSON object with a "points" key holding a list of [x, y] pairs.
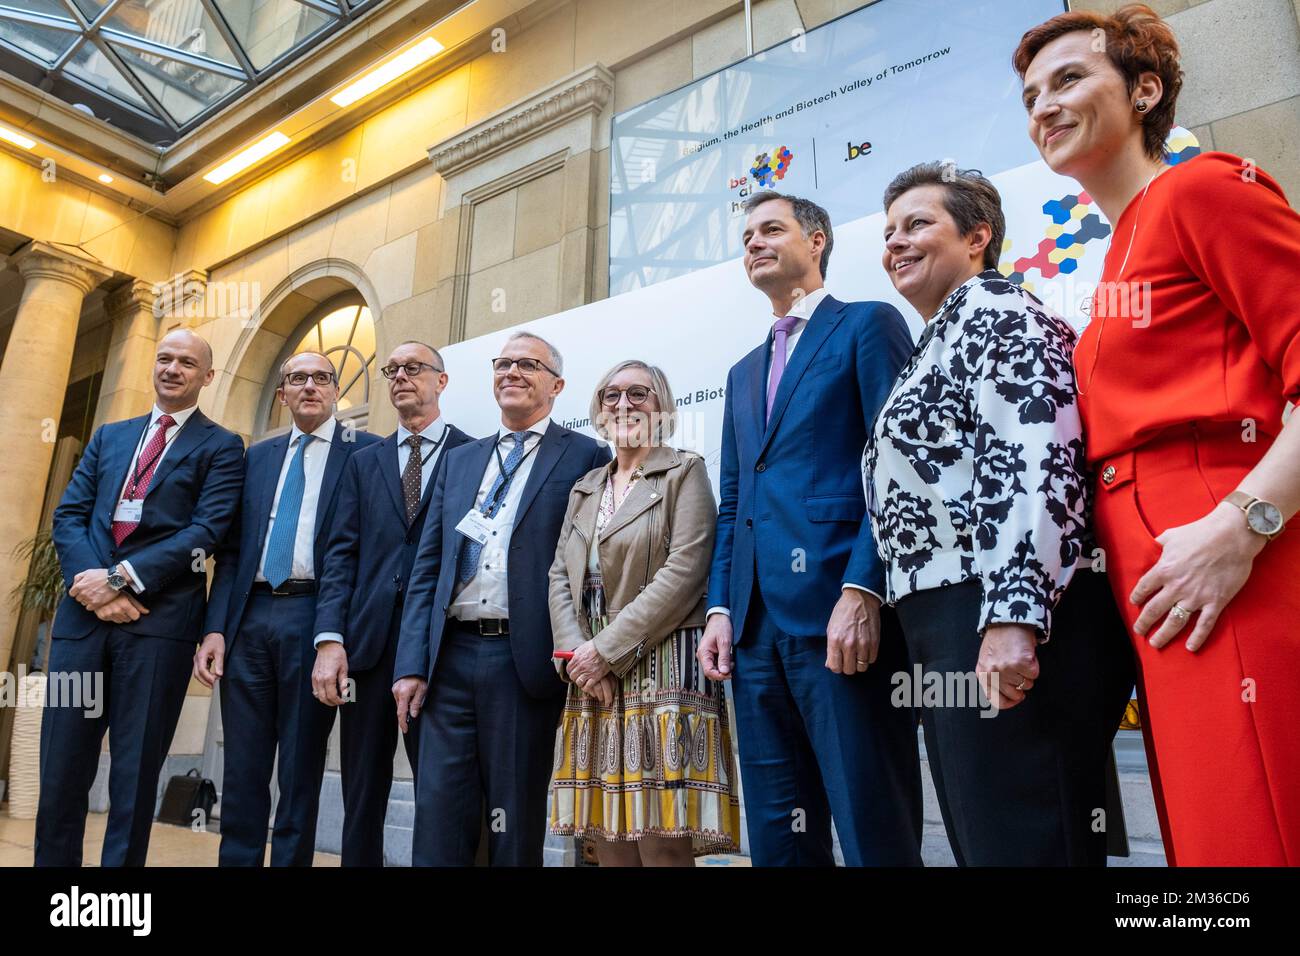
{"points": [[241, 551], [563, 456], [792, 515], [371, 549], [189, 505]]}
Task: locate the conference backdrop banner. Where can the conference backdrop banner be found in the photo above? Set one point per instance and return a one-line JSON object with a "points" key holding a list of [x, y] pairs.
{"points": [[832, 115], [698, 322]]}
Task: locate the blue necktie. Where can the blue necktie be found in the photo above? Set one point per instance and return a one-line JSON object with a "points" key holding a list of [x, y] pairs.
{"points": [[467, 567], [279, 550]]}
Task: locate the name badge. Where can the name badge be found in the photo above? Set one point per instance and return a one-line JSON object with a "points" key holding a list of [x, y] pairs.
{"points": [[476, 526], [129, 509]]}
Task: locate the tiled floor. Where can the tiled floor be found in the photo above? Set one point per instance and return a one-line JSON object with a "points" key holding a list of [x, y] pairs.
{"points": [[168, 846]]}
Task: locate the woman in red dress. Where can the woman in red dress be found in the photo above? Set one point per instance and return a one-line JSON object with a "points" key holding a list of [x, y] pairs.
{"points": [[1185, 375]]}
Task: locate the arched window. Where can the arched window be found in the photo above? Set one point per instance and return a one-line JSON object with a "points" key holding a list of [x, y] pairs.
{"points": [[344, 331]]}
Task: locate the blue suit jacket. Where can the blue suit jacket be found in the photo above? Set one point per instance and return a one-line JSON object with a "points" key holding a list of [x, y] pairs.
{"points": [[241, 551], [371, 549], [792, 515], [189, 505], [563, 456]]}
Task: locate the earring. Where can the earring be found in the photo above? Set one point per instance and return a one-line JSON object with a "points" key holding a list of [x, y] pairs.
{"points": [[1141, 106]]}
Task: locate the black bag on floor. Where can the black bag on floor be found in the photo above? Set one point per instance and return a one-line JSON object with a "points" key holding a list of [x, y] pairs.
{"points": [[185, 794]]}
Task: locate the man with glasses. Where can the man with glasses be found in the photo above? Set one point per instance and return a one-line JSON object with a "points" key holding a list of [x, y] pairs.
{"points": [[260, 622], [476, 630], [383, 499]]}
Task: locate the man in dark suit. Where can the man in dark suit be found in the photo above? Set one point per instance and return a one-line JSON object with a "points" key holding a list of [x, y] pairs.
{"points": [[476, 631], [259, 623], [383, 498], [149, 500], [796, 577]]}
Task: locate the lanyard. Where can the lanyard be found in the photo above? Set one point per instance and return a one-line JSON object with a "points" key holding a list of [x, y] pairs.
{"points": [[425, 460], [491, 506], [141, 472]]}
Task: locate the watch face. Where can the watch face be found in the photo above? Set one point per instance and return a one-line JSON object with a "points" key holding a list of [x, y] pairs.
{"points": [[1264, 518]]}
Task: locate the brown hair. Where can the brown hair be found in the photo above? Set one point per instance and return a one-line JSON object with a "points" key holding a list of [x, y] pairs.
{"points": [[1137, 41], [969, 198]]}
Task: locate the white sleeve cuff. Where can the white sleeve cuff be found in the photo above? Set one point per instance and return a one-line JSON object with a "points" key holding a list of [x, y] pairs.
{"points": [[136, 584], [716, 610], [325, 636], [859, 587]]}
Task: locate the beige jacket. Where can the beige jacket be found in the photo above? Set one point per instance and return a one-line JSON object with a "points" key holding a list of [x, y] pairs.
{"points": [[654, 558]]}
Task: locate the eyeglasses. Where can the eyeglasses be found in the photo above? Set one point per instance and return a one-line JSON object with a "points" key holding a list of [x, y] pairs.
{"points": [[528, 366], [411, 369], [636, 395], [299, 379]]}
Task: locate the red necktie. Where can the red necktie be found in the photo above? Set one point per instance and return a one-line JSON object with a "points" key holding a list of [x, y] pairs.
{"points": [[137, 488]]}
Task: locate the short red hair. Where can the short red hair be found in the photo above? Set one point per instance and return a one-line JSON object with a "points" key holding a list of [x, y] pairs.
{"points": [[1137, 42]]}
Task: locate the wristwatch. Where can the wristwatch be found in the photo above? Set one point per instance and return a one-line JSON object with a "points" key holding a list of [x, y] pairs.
{"points": [[116, 579], [1262, 517]]}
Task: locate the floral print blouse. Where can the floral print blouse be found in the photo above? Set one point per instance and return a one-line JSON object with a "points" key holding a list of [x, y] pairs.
{"points": [[975, 466]]}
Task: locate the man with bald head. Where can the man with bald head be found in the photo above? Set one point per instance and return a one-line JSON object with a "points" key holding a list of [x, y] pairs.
{"points": [[146, 506]]}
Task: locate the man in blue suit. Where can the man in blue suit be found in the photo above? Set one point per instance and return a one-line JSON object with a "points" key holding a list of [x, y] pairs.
{"points": [[476, 631], [259, 623], [149, 500], [383, 498], [795, 618]]}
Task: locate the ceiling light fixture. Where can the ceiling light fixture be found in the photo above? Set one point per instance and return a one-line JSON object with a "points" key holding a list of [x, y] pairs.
{"points": [[381, 76], [18, 139], [240, 161]]}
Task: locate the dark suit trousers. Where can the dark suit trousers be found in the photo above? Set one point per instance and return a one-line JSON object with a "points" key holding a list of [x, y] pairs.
{"points": [[484, 742], [137, 686], [1022, 787], [367, 740], [266, 699], [815, 745]]}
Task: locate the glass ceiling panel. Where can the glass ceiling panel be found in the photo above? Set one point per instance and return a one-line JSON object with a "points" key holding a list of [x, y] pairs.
{"points": [[254, 37], [266, 29], [91, 66], [38, 42], [184, 91], [180, 24]]}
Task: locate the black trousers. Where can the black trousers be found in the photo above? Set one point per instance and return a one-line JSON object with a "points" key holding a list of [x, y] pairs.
{"points": [[266, 700], [485, 744], [367, 742], [133, 687], [1025, 786]]}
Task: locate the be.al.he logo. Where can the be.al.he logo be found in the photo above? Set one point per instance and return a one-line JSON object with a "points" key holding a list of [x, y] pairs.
{"points": [[857, 150], [78, 909], [769, 166]]}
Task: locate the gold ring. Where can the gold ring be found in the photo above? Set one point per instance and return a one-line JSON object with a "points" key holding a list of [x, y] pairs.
{"points": [[1021, 685]]}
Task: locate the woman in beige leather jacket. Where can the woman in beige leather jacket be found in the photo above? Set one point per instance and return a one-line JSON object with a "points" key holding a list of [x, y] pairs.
{"points": [[643, 759]]}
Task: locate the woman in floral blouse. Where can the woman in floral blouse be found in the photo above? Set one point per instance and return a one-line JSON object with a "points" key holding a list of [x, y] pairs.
{"points": [[975, 481]]}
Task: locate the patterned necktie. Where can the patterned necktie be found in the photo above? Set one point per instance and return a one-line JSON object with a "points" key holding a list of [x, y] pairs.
{"points": [[469, 554], [279, 550], [411, 477], [138, 488], [781, 336]]}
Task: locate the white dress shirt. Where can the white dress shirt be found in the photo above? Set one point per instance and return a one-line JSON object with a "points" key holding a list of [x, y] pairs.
{"points": [[180, 418], [313, 463], [431, 439], [435, 432], [804, 309], [485, 595]]}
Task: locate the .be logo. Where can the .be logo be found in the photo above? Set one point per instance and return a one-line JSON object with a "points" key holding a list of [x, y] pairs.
{"points": [[856, 151]]}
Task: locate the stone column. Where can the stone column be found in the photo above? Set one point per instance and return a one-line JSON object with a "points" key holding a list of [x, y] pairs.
{"points": [[33, 381], [127, 386]]}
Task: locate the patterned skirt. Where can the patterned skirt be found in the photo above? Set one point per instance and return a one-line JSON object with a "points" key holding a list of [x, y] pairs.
{"points": [[657, 761]]}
